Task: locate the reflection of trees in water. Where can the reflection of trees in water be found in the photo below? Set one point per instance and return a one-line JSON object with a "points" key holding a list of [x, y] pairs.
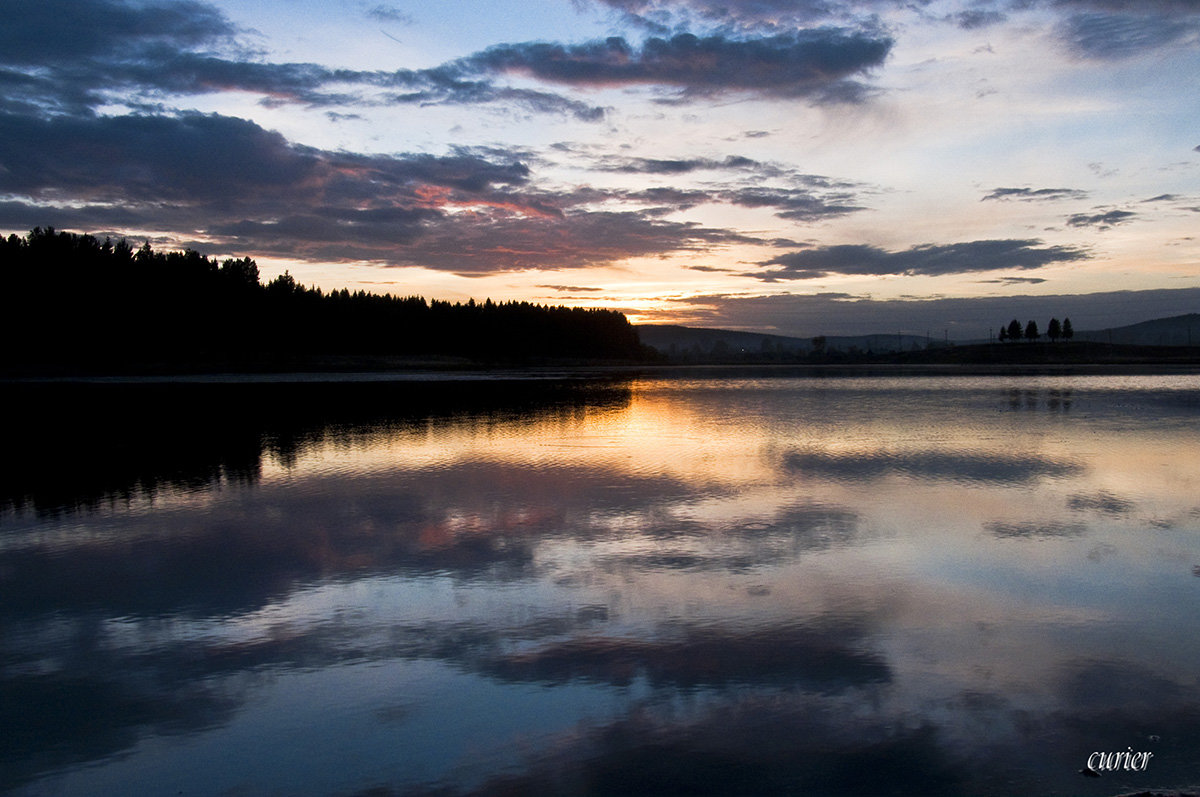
{"points": [[81, 446], [1054, 400]]}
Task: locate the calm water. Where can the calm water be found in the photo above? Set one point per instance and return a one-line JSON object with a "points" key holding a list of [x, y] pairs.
{"points": [[845, 586]]}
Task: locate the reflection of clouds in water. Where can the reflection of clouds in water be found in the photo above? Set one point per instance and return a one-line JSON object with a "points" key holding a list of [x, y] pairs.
{"points": [[756, 744], [1104, 503], [81, 700], [738, 546], [477, 521], [756, 632], [818, 656], [856, 741], [1034, 529], [934, 465]]}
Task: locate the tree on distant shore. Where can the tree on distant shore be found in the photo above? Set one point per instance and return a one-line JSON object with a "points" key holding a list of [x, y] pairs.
{"points": [[1068, 331], [1054, 330], [1031, 330], [1014, 330]]}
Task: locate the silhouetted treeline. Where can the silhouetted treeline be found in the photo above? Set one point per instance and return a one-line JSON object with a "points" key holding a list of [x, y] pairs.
{"points": [[1054, 330], [74, 299]]}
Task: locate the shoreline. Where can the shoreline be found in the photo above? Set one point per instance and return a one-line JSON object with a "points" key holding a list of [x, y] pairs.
{"points": [[418, 374]]}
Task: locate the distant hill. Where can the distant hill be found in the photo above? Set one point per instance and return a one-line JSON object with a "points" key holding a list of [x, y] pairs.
{"points": [[679, 341], [695, 344], [1180, 330]]}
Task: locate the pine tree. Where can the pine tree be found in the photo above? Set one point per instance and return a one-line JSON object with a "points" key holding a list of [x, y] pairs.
{"points": [[1054, 330]]}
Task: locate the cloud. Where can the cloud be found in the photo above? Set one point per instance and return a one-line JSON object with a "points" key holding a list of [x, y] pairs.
{"points": [[484, 242], [1119, 29], [389, 13], [661, 16], [676, 166], [976, 18], [72, 56], [1014, 281], [794, 204], [796, 196], [1034, 194], [804, 63], [78, 31], [1102, 221], [927, 259], [193, 158], [249, 190], [1117, 36], [579, 239]]}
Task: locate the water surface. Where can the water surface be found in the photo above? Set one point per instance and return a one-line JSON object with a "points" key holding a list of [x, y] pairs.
{"points": [[858, 585]]}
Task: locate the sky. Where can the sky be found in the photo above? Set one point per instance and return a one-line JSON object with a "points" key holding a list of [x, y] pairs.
{"points": [[799, 167]]}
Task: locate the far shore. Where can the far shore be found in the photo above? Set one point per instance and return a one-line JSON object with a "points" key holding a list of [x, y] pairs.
{"points": [[969, 360]]}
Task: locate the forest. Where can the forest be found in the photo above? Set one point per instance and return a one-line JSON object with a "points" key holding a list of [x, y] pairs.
{"points": [[73, 301]]}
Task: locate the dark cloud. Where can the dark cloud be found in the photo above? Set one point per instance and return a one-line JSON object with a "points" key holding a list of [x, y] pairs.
{"points": [[677, 166], [798, 197], [1103, 221], [117, 50], [1035, 194], [578, 239], [975, 18], [662, 16], [192, 158], [37, 32], [807, 63], [794, 204], [1014, 281], [1118, 29], [249, 190], [929, 259], [389, 13], [74, 55], [448, 86]]}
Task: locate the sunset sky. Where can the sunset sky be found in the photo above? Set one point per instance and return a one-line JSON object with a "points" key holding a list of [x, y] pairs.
{"points": [[799, 167]]}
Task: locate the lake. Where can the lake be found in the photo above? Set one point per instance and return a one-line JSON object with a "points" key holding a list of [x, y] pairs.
{"points": [[673, 583]]}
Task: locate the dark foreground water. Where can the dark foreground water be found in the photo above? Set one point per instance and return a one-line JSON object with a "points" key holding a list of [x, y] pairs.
{"points": [[849, 586]]}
